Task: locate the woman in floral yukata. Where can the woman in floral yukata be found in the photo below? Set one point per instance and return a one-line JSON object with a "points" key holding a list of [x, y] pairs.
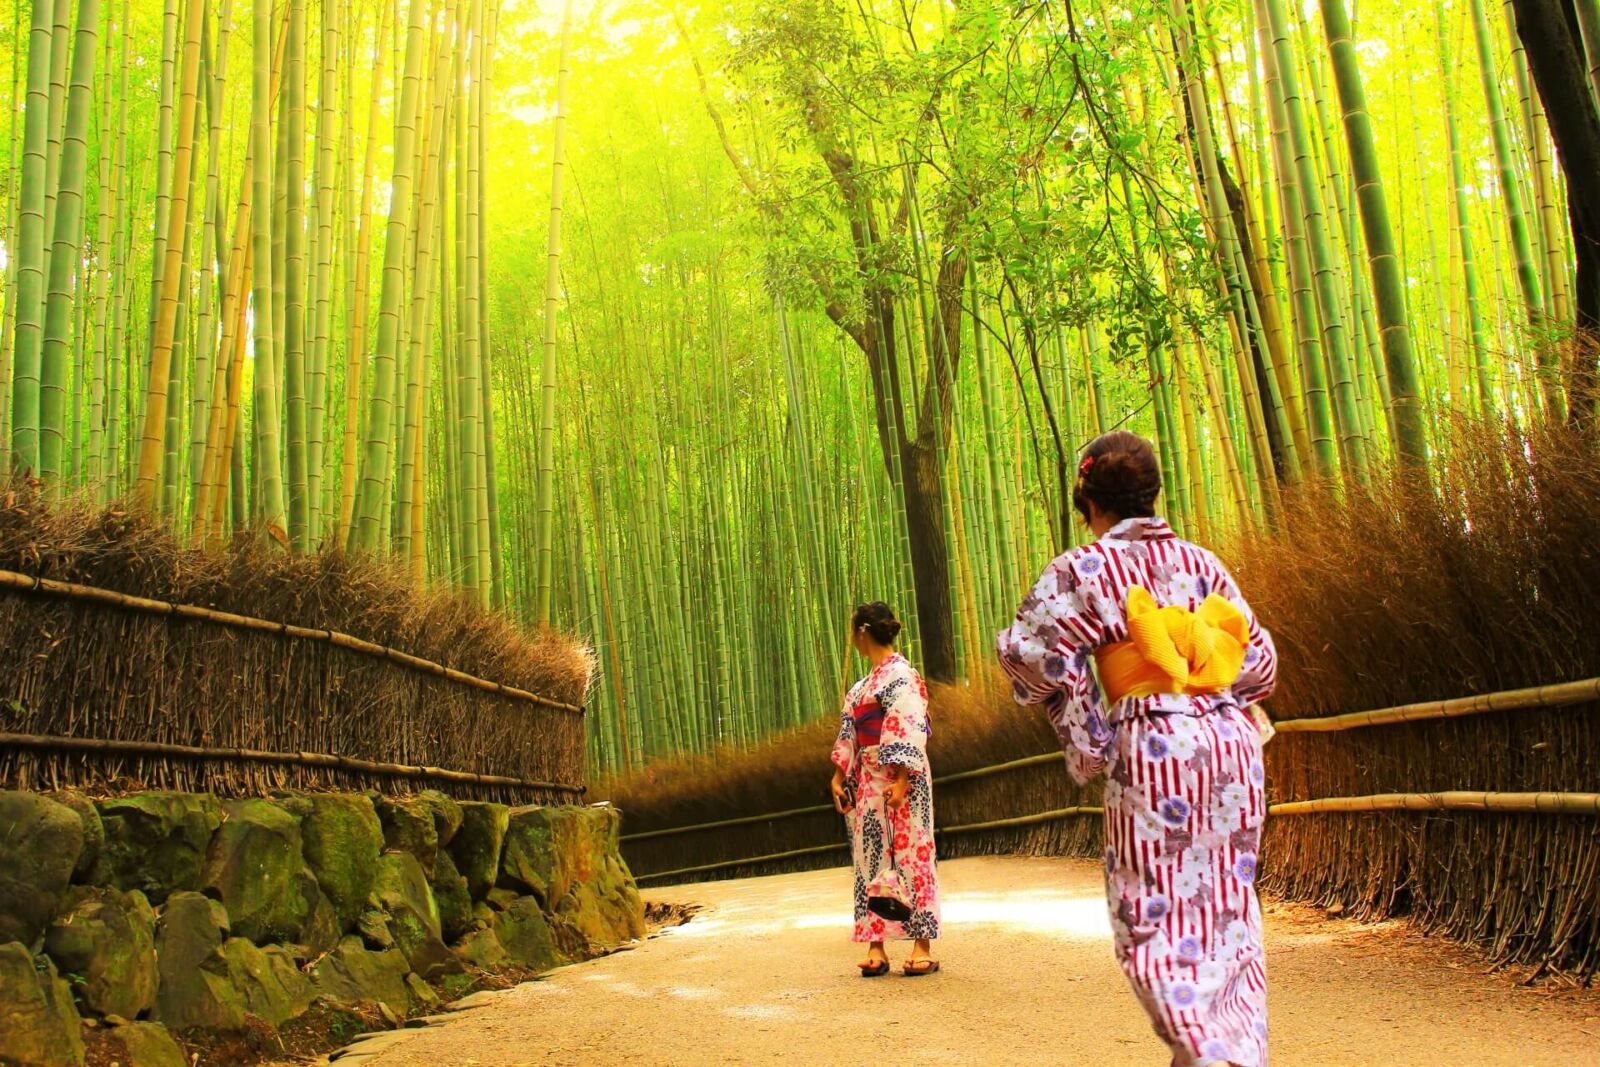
{"points": [[883, 786], [1181, 659]]}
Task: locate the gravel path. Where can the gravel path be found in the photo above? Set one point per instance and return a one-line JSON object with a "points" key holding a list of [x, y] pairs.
{"points": [[765, 974]]}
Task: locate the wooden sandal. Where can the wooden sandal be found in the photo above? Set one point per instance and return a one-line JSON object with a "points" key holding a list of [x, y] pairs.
{"points": [[918, 968], [874, 970]]}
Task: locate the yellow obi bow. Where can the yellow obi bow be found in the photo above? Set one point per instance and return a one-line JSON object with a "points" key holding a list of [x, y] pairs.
{"points": [[1174, 650]]}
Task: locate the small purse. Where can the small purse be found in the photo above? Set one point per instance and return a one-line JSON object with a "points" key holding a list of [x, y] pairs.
{"points": [[887, 896]]}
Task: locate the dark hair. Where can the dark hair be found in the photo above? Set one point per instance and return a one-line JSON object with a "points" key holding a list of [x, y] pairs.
{"points": [[1120, 474], [879, 620]]}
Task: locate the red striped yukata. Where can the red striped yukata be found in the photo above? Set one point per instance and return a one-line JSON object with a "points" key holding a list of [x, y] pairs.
{"points": [[1185, 794]]}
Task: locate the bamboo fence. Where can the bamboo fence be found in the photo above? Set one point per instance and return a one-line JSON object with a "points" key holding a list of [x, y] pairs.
{"points": [[784, 840], [1546, 696], [105, 688], [1454, 800]]}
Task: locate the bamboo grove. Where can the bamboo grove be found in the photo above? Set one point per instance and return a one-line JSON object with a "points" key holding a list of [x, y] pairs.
{"points": [[831, 293], [245, 281]]}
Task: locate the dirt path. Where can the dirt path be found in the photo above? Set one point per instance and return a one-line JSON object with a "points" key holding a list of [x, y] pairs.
{"points": [[765, 975]]}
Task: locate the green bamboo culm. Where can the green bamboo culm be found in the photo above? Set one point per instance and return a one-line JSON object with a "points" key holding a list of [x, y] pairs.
{"points": [[1388, 285], [1516, 218], [58, 325], [268, 472], [1335, 339], [294, 282], [158, 380], [367, 531], [1462, 227], [552, 303], [31, 247]]}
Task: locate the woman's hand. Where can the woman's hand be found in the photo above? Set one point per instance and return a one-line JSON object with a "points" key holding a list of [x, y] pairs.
{"points": [[894, 795], [1263, 724], [841, 797]]}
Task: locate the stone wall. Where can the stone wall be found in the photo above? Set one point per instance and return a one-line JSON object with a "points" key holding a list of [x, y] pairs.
{"points": [[179, 911]]}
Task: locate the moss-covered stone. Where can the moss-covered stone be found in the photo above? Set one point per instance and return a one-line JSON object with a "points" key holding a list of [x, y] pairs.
{"points": [[568, 858], [501, 899], [255, 867], [94, 834], [144, 1045], [194, 989], [528, 862], [355, 974], [402, 891], [525, 933], [156, 842], [482, 949], [39, 1026], [447, 815], [408, 826], [476, 846], [450, 891], [342, 838], [40, 842], [107, 938], [267, 980], [373, 927], [422, 993]]}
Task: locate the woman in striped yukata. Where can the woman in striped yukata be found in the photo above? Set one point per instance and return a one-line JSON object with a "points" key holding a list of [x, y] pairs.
{"points": [[1181, 660]]}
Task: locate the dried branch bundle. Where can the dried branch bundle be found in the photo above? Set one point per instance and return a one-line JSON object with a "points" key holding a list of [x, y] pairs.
{"points": [[76, 669]]}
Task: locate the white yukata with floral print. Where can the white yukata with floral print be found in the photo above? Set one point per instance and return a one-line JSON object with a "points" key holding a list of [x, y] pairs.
{"points": [[884, 725], [1185, 791]]}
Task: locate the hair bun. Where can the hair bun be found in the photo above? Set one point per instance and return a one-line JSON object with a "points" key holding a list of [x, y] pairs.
{"points": [[1120, 475], [878, 619]]}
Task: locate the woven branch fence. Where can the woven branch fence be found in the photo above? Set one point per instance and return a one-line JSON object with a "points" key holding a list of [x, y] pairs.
{"points": [[100, 688], [997, 810]]}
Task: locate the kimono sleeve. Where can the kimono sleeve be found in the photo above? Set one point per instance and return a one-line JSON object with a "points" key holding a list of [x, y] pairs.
{"points": [[844, 747], [1260, 675], [905, 721], [1046, 653]]}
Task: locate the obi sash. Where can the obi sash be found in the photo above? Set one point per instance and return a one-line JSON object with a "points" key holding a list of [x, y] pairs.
{"points": [[1174, 650], [868, 716]]}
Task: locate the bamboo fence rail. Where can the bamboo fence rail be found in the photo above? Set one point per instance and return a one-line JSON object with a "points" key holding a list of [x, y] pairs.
{"points": [[302, 759], [1540, 696], [26, 583], [1455, 800], [1452, 800]]}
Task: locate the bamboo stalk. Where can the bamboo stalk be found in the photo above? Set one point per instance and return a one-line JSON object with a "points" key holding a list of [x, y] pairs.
{"points": [[301, 759], [1451, 800], [27, 583], [815, 850], [1543, 696], [1024, 820], [747, 820]]}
